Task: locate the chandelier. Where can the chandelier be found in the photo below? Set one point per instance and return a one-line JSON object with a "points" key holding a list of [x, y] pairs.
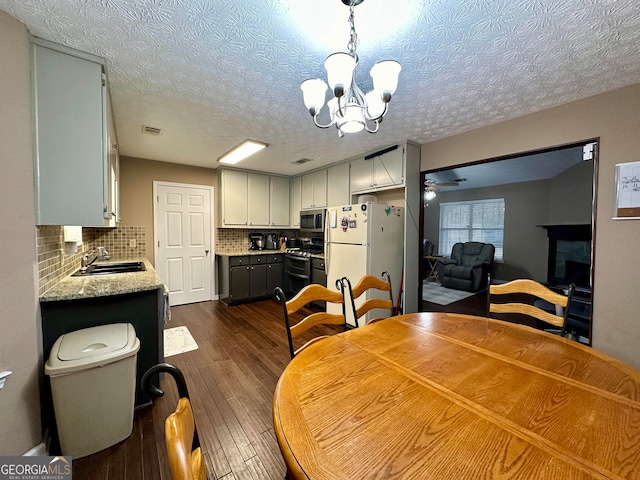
{"points": [[350, 110]]}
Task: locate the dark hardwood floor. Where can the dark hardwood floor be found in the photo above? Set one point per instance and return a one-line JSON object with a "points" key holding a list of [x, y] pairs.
{"points": [[231, 379]]}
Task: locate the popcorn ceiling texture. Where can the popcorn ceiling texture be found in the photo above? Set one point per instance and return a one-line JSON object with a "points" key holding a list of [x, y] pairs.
{"points": [[214, 72]]}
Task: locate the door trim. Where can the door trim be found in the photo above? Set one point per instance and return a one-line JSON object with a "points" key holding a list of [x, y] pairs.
{"points": [[156, 185]]}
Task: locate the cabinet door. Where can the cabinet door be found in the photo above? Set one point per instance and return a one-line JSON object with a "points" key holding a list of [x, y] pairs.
{"points": [[239, 283], [258, 200], [274, 277], [320, 189], [388, 169], [307, 191], [234, 198], [279, 202], [113, 170], [296, 201], [70, 127], [338, 185], [259, 281], [361, 175]]}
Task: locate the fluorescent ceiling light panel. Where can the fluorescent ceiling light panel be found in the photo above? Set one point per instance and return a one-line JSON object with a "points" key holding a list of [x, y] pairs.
{"points": [[242, 151]]}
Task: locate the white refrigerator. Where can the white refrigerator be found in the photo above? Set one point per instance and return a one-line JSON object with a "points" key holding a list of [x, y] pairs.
{"points": [[364, 239]]}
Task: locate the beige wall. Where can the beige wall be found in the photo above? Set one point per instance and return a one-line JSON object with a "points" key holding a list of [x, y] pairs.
{"points": [[136, 189], [19, 320], [614, 118]]}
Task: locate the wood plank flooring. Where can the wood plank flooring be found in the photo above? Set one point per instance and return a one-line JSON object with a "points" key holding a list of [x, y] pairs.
{"points": [[231, 378]]}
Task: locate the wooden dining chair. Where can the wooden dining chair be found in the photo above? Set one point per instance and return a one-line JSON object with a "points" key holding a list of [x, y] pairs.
{"points": [[181, 437], [537, 290], [369, 282], [311, 293]]}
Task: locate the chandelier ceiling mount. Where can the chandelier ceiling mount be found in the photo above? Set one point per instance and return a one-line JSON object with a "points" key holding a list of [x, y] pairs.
{"points": [[350, 110]]}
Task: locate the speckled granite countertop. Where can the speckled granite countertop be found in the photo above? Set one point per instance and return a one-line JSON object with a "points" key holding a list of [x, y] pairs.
{"points": [[236, 252], [75, 288], [240, 252]]}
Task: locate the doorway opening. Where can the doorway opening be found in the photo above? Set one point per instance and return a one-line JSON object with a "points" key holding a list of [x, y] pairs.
{"points": [[543, 191]]}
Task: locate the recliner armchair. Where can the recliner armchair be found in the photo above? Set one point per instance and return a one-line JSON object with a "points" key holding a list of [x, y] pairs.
{"points": [[468, 266]]}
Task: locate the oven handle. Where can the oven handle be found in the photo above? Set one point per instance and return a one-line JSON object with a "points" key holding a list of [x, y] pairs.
{"points": [[298, 275]]}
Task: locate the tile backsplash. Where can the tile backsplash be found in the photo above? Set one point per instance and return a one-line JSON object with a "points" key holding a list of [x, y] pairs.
{"points": [[238, 238], [54, 264]]}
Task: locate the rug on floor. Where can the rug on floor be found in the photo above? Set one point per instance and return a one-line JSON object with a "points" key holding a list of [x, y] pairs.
{"points": [[178, 340], [436, 293]]}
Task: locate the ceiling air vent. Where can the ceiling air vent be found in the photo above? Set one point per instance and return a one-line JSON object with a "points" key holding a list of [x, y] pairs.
{"points": [[302, 160], [151, 130]]}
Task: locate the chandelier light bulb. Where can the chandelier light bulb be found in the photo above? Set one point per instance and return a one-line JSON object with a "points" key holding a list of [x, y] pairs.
{"points": [[350, 110]]}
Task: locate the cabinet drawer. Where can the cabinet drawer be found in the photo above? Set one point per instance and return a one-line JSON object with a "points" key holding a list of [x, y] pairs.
{"points": [[258, 259], [275, 258], [238, 261], [317, 263]]}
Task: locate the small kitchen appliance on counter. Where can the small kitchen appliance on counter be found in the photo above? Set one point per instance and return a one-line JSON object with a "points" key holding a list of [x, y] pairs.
{"points": [[256, 241], [271, 241]]}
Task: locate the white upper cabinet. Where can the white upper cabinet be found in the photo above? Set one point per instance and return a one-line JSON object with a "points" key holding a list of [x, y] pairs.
{"points": [[76, 182], [258, 200], [253, 200], [314, 190], [296, 201], [279, 211], [234, 199], [338, 185], [378, 172]]}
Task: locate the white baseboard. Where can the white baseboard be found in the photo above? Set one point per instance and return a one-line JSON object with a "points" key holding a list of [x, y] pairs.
{"points": [[37, 451]]}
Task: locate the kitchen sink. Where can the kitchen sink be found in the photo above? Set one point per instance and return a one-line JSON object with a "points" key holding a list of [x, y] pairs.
{"points": [[109, 268]]}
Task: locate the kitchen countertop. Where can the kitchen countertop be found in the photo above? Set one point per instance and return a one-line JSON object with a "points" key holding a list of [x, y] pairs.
{"points": [[238, 252], [91, 286], [235, 252]]}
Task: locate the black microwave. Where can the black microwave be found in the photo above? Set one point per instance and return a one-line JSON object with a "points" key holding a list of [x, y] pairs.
{"points": [[312, 220]]}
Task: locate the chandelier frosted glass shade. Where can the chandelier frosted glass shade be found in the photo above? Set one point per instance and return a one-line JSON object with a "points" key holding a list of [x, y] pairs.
{"points": [[350, 110]]}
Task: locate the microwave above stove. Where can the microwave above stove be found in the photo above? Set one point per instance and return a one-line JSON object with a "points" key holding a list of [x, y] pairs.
{"points": [[312, 220]]}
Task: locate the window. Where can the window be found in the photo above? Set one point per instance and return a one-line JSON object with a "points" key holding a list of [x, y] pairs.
{"points": [[472, 221]]}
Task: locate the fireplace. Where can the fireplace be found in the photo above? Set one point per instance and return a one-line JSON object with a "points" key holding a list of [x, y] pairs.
{"points": [[569, 258]]}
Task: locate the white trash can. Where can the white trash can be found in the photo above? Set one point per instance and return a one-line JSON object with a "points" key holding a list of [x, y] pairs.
{"points": [[93, 384]]}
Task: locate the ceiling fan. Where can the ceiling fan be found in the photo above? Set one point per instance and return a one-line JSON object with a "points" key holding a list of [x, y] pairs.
{"points": [[431, 187]]}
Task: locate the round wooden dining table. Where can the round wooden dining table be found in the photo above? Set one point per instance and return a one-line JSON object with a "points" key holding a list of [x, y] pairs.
{"points": [[449, 396]]}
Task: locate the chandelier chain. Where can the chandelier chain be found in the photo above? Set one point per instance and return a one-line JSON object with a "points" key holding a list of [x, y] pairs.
{"points": [[353, 36]]}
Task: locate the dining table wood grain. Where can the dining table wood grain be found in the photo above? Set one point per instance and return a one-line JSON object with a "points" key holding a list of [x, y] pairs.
{"points": [[452, 396]]}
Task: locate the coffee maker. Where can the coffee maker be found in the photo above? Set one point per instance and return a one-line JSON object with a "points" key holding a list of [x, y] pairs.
{"points": [[256, 241]]}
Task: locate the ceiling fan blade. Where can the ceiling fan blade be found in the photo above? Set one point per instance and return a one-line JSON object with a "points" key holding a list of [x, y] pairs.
{"points": [[447, 184]]}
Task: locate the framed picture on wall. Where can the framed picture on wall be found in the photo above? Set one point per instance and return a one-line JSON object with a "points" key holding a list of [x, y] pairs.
{"points": [[627, 200]]}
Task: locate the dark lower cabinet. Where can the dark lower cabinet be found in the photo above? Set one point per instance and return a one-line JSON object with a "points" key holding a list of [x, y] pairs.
{"points": [[319, 276], [249, 277], [239, 284], [274, 277], [144, 310]]}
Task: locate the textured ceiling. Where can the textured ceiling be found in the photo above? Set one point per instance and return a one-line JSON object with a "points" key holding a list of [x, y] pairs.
{"points": [[527, 168], [211, 73]]}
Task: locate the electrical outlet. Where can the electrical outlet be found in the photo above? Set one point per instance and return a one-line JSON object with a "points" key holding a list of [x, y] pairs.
{"points": [[133, 243]]}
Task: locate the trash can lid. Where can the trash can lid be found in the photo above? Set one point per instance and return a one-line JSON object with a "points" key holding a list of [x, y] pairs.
{"points": [[91, 347], [93, 341]]}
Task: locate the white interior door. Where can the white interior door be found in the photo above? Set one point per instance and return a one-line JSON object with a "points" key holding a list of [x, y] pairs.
{"points": [[183, 240]]}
